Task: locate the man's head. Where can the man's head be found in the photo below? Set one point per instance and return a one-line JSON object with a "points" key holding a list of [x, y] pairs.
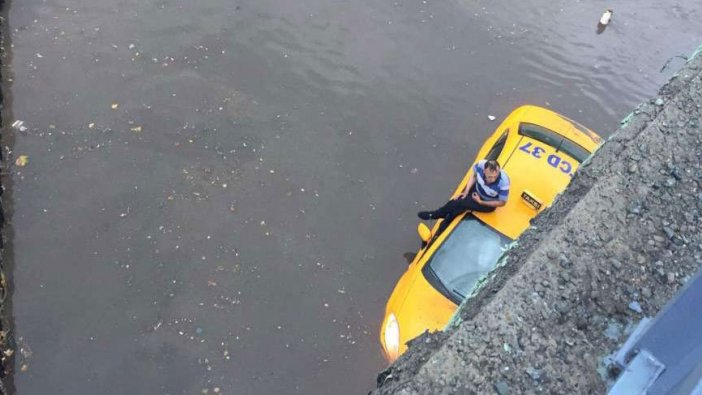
{"points": [[491, 171]]}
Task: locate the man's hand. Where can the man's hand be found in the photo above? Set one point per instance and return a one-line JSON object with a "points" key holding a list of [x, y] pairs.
{"points": [[476, 197], [461, 195]]}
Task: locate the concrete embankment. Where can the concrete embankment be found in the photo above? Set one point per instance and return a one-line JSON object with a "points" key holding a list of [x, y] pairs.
{"points": [[613, 248]]}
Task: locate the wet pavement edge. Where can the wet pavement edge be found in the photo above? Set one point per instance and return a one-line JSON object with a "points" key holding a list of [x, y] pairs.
{"points": [[6, 344]]}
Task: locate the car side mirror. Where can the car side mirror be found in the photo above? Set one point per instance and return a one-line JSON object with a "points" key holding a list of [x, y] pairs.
{"points": [[424, 232]]}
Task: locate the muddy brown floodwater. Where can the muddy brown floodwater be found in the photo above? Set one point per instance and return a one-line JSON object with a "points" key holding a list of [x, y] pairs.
{"points": [[219, 194]]}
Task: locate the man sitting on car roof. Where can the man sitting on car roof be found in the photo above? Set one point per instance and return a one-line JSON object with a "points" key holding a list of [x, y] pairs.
{"points": [[486, 190]]}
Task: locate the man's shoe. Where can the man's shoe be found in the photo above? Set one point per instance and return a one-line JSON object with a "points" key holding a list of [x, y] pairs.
{"points": [[425, 215]]}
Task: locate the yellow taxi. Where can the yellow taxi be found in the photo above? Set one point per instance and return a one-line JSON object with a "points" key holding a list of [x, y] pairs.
{"points": [[539, 150]]}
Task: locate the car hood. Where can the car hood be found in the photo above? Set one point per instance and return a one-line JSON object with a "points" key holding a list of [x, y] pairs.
{"points": [[423, 308]]}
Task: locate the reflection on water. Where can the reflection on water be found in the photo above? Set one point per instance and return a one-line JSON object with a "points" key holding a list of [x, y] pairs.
{"points": [[219, 193]]}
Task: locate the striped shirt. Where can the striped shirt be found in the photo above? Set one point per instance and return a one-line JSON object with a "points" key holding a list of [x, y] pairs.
{"points": [[498, 190]]}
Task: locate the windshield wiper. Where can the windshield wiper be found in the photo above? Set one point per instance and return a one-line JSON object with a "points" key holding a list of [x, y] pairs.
{"points": [[458, 293]]}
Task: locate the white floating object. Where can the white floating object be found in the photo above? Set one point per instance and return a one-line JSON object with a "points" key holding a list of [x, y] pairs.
{"points": [[19, 125], [606, 17], [491, 117]]}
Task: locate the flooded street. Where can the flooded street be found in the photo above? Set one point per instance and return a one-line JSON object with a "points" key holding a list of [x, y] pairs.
{"points": [[219, 194]]}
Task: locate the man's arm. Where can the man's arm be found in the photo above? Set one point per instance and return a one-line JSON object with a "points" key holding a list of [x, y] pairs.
{"points": [[489, 203], [469, 185]]}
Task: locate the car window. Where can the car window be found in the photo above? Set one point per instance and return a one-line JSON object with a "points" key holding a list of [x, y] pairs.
{"points": [[553, 139], [496, 149], [467, 254]]}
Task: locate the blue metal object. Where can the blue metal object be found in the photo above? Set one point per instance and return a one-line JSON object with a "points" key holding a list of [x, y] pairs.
{"points": [[639, 375], [664, 356]]}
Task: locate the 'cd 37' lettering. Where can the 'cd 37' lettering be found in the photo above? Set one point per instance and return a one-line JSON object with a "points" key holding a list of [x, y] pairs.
{"points": [[553, 159]]}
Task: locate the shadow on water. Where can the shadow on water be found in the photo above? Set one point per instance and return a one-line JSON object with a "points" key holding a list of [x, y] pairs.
{"points": [[409, 256], [6, 201]]}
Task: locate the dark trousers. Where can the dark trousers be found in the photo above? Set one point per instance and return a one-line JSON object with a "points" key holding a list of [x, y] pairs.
{"points": [[452, 208]]}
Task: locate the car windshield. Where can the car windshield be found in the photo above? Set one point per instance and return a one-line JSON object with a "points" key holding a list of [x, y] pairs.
{"points": [[553, 139], [467, 254]]}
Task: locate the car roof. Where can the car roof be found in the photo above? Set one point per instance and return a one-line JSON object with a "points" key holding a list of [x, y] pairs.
{"points": [[560, 124], [537, 176]]}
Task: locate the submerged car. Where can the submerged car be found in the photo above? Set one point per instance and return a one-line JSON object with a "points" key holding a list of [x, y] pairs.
{"points": [[540, 150]]}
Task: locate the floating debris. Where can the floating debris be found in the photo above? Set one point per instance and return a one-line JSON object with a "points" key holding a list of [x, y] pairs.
{"points": [[22, 160], [122, 215], [136, 129], [491, 117], [114, 106], [606, 17], [604, 21], [19, 125]]}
